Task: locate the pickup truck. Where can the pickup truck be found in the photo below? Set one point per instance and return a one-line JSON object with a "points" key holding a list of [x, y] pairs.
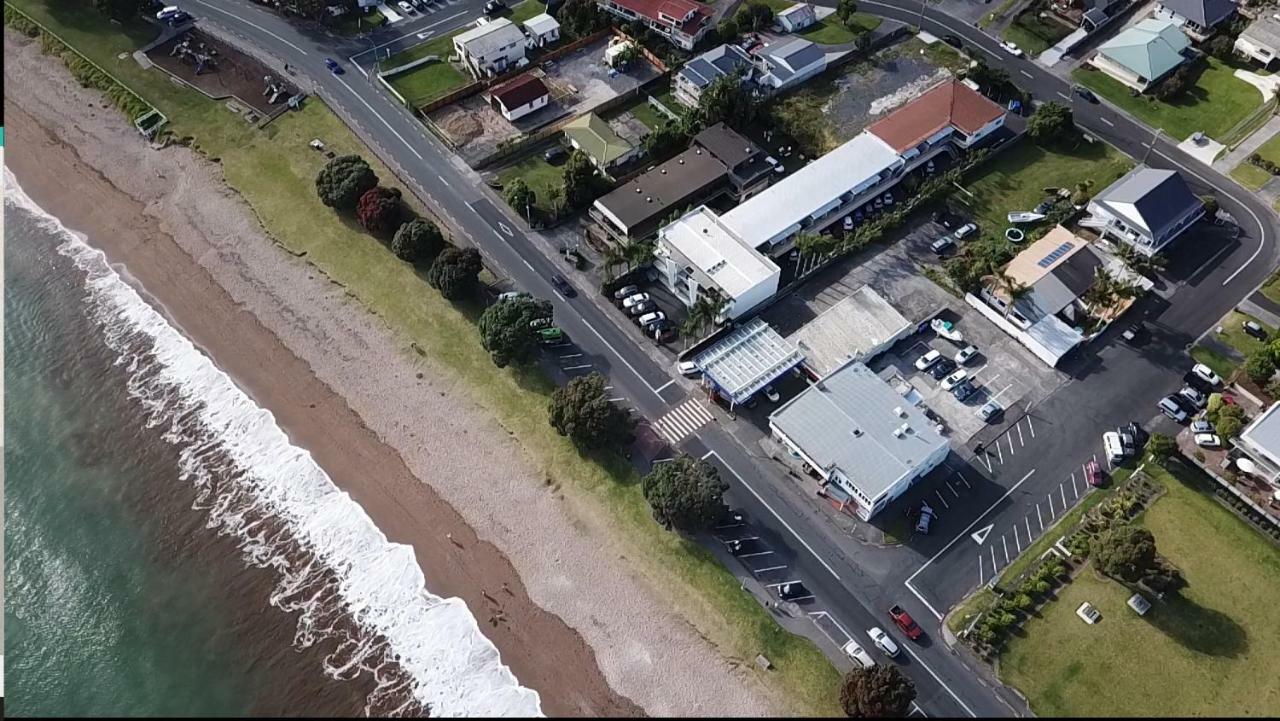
{"points": [[905, 622]]}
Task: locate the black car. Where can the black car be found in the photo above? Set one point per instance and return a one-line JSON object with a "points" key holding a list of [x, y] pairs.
{"points": [[942, 368], [1254, 330], [493, 7], [555, 154], [793, 590], [953, 41], [1085, 93], [563, 286], [1198, 383], [963, 390]]}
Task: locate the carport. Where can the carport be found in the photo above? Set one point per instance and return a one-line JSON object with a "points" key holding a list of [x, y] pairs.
{"points": [[746, 360]]}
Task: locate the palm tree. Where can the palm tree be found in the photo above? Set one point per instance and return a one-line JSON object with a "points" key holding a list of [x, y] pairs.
{"points": [[1108, 290], [704, 311], [1013, 290], [555, 194], [637, 253], [613, 256]]}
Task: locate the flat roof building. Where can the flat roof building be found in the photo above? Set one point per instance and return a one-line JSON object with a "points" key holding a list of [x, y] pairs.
{"points": [[697, 252], [861, 436], [859, 328], [745, 361], [1260, 440]]}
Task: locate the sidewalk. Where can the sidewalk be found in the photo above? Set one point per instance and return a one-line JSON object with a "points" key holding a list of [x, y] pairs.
{"points": [[1229, 161]]}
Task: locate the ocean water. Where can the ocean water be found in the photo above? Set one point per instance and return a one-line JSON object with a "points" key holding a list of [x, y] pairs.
{"points": [[169, 551]]}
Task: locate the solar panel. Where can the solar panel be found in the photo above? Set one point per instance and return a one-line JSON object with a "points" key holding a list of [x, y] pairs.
{"points": [[1058, 252]]}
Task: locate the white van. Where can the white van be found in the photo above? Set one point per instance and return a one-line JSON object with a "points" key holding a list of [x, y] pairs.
{"points": [[1112, 446]]}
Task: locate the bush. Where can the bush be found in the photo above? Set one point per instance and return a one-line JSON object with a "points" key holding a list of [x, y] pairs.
{"points": [[520, 197], [685, 494], [1229, 421], [881, 691], [1125, 552], [343, 180], [507, 331], [417, 240], [1023, 602], [1161, 447], [378, 210], [456, 272], [1259, 366], [581, 410]]}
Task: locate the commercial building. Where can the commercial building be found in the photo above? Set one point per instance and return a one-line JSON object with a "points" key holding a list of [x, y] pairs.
{"points": [[857, 328], [1147, 209], [1260, 41], [681, 22], [1260, 441], [519, 96], [699, 73], [1199, 19], [864, 439], [1143, 55], [492, 48], [746, 360], [787, 63], [697, 252]]}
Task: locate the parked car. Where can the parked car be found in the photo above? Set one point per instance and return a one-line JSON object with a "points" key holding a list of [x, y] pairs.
{"points": [[1254, 330], [953, 41], [1093, 474], [554, 154], [1132, 332], [1208, 440], [688, 368], [406, 8], [954, 379], [641, 308], [966, 230], [1085, 93], [562, 285], [493, 7], [1113, 447], [926, 361], [1196, 397], [333, 66], [858, 654], [966, 354], [634, 298], [167, 12], [1012, 49], [1201, 425], [793, 591], [1128, 439], [625, 292], [1206, 373], [883, 642], [651, 318], [905, 622], [965, 389], [990, 411], [509, 295], [422, 6], [777, 165], [772, 394], [924, 519], [1172, 409], [942, 368], [941, 245]]}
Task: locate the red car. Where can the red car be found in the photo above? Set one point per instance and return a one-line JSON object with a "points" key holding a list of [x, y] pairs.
{"points": [[905, 622], [1093, 474]]}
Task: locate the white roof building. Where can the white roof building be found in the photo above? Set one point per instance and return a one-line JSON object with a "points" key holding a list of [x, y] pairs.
{"points": [[746, 360], [860, 327], [699, 242]]}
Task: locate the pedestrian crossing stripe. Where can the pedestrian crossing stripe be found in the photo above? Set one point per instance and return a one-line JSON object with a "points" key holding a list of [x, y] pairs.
{"points": [[683, 420]]}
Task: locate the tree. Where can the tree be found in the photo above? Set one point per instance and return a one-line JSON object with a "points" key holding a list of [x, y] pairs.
{"points": [[1013, 289], [984, 74], [1161, 447], [507, 329], [343, 180], [1178, 82], [664, 138], [881, 691], [755, 15], [555, 196], [702, 313], [685, 493], [118, 9], [1229, 421], [626, 56], [378, 210], [520, 196], [455, 272], [1221, 46], [581, 17], [1051, 123], [580, 179], [417, 240], [1210, 205], [1259, 366], [580, 409], [729, 30], [726, 100], [1125, 552], [845, 10]]}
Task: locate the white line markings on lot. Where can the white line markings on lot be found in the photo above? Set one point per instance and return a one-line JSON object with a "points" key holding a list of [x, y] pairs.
{"points": [[770, 568], [1075, 490], [986, 461], [577, 367], [954, 492], [980, 576], [1031, 427], [1063, 95], [994, 565], [442, 180], [663, 387], [1005, 542], [1062, 491], [252, 25], [784, 523], [683, 420], [1021, 442], [1009, 438], [578, 355], [1029, 75], [944, 501], [707, 455], [758, 553], [1051, 513], [1108, 122], [1029, 536], [963, 480], [618, 399], [980, 536], [1016, 539], [1040, 518], [999, 453]]}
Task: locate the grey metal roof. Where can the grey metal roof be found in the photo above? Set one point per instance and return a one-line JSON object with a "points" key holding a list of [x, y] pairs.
{"points": [[1264, 433], [861, 322], [654, 194], [747, 359], [854, 421], [1158, 197], [1079, 271], [728, 146], [714, 63], [787, 58], [1205, 13], [487, 38], [1264, 31]]}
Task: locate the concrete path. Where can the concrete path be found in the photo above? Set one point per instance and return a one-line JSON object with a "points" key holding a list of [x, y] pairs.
{"points": [[1252, 143], [1259, 306]]}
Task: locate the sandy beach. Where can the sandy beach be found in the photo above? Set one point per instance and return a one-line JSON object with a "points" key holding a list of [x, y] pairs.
{"points": [[404, 438]]}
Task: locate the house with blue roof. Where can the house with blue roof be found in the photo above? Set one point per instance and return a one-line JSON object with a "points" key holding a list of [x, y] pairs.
{"points": [[698, 74], [1143, 55]]}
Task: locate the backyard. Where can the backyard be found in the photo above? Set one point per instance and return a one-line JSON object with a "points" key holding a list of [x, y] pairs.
{"points": [[829, 30], [539, 175], [1209, 650], [1250, 175], [1217, 103], [1033, 33], [274, 171]]}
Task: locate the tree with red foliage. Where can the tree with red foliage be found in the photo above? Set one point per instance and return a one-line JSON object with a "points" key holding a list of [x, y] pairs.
{"points": [[378, 210]]}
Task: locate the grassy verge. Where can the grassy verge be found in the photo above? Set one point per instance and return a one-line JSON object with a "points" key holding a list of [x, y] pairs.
{"points": [[1233, 334], [526, 10], [430, 80], [1215, 105], [1208, 650], [274, 171], [1250, 175], [1272, 288], [996, 14], [1220, 364], [539, 175], [1034, 35], [829, 30]]}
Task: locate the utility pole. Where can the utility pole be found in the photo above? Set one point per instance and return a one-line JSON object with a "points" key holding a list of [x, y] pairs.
{"points": [[1154, 138], [920, 22]]}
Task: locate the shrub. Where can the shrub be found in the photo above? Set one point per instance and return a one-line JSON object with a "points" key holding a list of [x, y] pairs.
{"points": [[685, 493], [455, 272], [881, 691], [417, 240], [378, 210], [581, 410], [507, 331], [343, 180], [1259, 366]]}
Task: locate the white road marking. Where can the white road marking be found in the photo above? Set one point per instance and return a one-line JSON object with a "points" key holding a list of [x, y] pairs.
{"points": [[944, 501], [617, 400], [987, 461], [577, 368], [758, 553], [999, 452], [784, 523], [1017, 540], [662, 387], [252, 25], [1004, 541], [941, 683], [442, 180], [384, 120], [1040, 518], [1051, 513], [1075, 490], [980, 576], [576, 355], [952, 488], [707, 455], [1063, 492], [1108, 122], [1008, 437], [1024, 72], [980, 536], [770, 568], [994, 566], [1031, 427], [1028, 521], [1021, 442]]}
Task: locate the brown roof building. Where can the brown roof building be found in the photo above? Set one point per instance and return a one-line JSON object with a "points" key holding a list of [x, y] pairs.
{"points": [[519, 96], [951, 110]]}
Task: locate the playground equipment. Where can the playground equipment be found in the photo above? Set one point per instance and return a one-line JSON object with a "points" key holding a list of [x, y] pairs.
{"points": [[198, 54]]}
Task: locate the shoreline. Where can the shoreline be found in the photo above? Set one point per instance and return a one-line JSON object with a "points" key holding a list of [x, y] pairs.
{"points": [[454, 561]]}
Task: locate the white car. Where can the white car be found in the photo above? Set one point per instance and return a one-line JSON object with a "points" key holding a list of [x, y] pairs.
{"points": [[634, 299], [927, 361], [954, 379], [406, 8], [1170, 408], [772, 394], [777, 166], [167, 12], [1206, 374], [883, 642], [1208, 440], [688, 368], [966, 354], [1012, 49], [651, 318], [858, 654], [509, 295], [1194, 396], [965, 231]]}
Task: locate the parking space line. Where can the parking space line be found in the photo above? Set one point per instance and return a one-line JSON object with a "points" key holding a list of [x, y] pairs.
{"points": [[1021, 442], [663, 387], [985, 462], [1075, 491], [999, 453], [1051, 513], [1031, 427], [954, 492], [1009, 437], [1029, 536], [994, 565], [577, 368], [1040, 518], [707, 455], [757, 553], [980, 576], [780, 583], [1016, 540], [617, 400], [944, 501], [1063, 492], [571, 355], [1005, 542], [770, 568], [963, 480]]}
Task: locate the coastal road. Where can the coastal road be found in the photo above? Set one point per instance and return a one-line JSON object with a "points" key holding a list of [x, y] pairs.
{"points": [[860, 581]]}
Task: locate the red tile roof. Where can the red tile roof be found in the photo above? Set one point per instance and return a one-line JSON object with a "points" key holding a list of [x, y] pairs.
{"points": [[519, 91], [952, 103], [676, 9]]}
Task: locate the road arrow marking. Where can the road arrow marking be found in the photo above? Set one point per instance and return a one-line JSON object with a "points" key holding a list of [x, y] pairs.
{"points": [[980, 536]]}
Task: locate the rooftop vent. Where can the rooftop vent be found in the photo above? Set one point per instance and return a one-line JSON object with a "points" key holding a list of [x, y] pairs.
{"points": [[664, 171], [857, 432], [900, 412], [897, 432], [902, 429], [649, 199]]}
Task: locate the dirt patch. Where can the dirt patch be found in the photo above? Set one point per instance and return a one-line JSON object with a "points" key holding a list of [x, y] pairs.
{"points": [[220, 71]]}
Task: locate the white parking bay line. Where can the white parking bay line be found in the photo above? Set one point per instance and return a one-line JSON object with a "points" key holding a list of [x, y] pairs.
{"points": [[1029, 536], [944, 501], [994, 565], [1009, 437], [1024, 72], [1108, 122], [998, 452], [1051, 513], [1031, 427], [1021, 442], [954, 492], [1005, 542], [617, 400], [1016, 540], [1063, 492], [1040, 518], [963, 480], [577, 368], [1075, 490]]}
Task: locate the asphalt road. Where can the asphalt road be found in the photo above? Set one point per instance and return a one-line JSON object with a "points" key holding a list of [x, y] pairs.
{"points": [[856, 583]]}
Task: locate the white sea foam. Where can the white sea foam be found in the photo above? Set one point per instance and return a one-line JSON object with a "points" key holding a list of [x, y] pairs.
{"points": [[335, 565]]}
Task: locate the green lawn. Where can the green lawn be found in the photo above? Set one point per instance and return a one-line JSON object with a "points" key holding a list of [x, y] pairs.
{"points": [[1015, 179], [1220, 364], [1210, 650], [1272, 288], [996, 14], [526, 10], [1034, 35], [1250, 175], [1233, 334], [274, 171], [829, 30], [430, 80], [540, 175], [1215, 105]]}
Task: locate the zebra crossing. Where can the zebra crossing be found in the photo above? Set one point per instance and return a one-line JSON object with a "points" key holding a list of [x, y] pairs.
{"points": [[683, 420]]}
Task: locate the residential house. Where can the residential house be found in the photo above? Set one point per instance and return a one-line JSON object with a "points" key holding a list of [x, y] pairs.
{"points": [[788, 63], [681, 22], [1260, 41], [1197, 18], [1144, 54], [519, 96], [718, 162], [868, 443], [1147, 208], [593, 136], [543, 30], [698, 74], [949, 114], [797, 17], [492, 48], [1260, 442], [697, 252]]}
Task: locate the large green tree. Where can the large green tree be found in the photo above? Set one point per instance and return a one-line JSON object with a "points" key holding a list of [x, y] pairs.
{"points": [[506, 329], [1161, 447], [580, 179], [520, 197], [343, 180], [881, 691], [1259, 366], [755, 15], [1051, 123], [455, 272], [1125, 552], [581, 17], [729, 100], [684, 493], [580, 409], [417, 240]]}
